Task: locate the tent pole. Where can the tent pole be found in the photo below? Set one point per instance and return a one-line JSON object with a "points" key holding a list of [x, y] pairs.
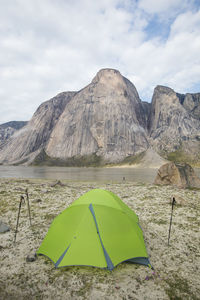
{"points": [[173, 203], [29, 212], [20, 204]]}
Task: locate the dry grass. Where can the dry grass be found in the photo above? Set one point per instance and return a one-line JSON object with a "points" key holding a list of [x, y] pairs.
{"points": [[177, 268]]}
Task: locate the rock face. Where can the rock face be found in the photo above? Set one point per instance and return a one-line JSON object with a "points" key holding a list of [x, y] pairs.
{"points": [[174, 124], [26, 143], [105, 118], [147, 112], [107, 122], [181, 175], [191, 102], [8, 129]]}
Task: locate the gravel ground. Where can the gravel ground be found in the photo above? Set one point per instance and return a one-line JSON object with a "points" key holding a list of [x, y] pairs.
{"points": [[177, 267]]}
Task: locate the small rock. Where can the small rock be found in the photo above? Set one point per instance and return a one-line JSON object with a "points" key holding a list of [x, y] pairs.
{"points": [[179, 200], [57, 183], [4, 227], [31, 257], [37, 200], [44, 191]]}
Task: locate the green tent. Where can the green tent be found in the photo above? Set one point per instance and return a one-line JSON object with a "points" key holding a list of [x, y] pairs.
{"points": [[98, 230]]}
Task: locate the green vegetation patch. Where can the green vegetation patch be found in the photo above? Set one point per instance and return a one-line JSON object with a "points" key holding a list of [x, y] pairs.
{"points": [[50, 217], [23, 161], [181, 157], [159, 221], [178, 289], [131, 160], [193, 188], [3, 192], [91, 160]]}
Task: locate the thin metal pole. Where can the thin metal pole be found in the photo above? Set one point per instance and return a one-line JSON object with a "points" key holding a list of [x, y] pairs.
{"points": [[20, 204], [173, 203], [29, 212]]}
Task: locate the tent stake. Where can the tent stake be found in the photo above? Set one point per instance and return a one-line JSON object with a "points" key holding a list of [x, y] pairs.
{"points": [[173, 203], [20, 204], [29, 212]]}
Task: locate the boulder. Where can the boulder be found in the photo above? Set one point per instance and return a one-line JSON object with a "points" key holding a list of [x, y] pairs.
{"points": [[4, 227], [181, 175]]}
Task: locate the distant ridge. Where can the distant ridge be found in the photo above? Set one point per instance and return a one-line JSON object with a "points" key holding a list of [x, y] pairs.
{"points": [[8, 129], [14, 124]]}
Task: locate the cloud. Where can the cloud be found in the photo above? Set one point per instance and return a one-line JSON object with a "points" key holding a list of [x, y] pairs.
{"points": [[53, 46], [165, 9]]}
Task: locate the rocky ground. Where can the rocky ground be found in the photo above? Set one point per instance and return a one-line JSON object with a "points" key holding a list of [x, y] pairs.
{"points": [[177, 267]]}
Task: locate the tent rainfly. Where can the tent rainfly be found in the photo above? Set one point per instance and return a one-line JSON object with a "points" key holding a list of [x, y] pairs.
{"points": [[99, 230]]}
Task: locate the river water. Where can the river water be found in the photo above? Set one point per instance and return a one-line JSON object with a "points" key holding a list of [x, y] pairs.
{"points": [[82, 174]]}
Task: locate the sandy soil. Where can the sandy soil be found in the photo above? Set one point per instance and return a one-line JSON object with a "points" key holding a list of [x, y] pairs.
{"points": [[177, 267]]}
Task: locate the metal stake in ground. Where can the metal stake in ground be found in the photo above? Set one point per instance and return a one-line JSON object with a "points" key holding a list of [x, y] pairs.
{"points": [[29, 212], [173, 203], [20, 204]]}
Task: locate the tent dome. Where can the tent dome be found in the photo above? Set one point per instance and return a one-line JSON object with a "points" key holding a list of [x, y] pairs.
{"points": [[98, 229]]}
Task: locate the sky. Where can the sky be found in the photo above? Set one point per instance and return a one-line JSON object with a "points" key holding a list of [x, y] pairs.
{"points": [[51, 46]]}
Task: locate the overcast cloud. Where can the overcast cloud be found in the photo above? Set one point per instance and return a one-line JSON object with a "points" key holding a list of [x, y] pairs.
{"points": [[47, 47]]}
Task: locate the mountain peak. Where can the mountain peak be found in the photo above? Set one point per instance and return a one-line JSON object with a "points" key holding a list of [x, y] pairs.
{"points": [[107, 75], [163, 89], [109, 71]]}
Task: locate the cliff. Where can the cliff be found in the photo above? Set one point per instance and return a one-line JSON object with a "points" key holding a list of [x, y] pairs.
{"points": [[174, 125], [25, 144], [105, 118], [106, 122]]}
